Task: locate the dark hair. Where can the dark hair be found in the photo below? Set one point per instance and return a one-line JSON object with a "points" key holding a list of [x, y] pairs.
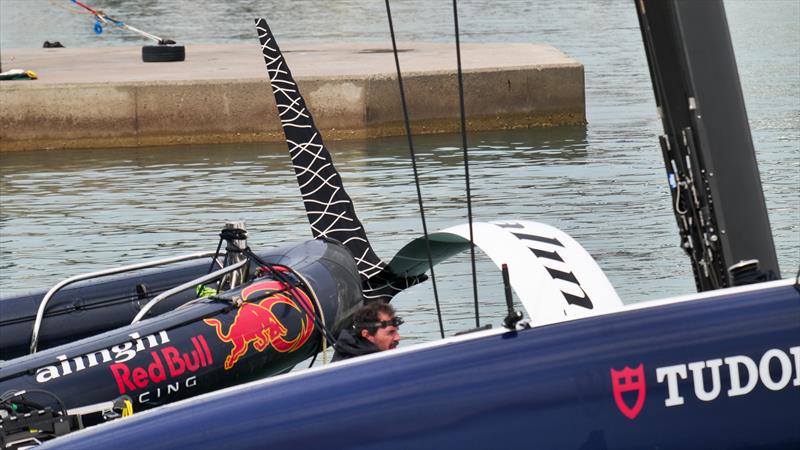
{"points": [[367, 318]]}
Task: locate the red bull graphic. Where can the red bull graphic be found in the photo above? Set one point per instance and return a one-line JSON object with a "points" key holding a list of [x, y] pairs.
{"points": [[165, 364], [256, 323], [627, 380]]}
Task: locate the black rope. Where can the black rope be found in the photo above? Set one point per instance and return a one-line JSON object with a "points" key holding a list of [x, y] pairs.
{"points": [[281, 277], [314, 358], [466, 164], [235, 234], [111, 301], [414, 166], [216, 254]]}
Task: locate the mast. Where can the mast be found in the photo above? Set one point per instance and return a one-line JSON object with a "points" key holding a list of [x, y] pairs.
{"points": [[707, 148]]}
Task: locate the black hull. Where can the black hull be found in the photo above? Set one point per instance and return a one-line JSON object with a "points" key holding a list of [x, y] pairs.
{"points": [[201, 346], [92, 307]]}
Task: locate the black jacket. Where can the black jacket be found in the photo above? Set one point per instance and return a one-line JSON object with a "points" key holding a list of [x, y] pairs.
{"points": [[349, 345]]}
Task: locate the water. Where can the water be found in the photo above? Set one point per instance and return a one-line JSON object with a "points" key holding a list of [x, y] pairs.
{"points": [[67, 212]]}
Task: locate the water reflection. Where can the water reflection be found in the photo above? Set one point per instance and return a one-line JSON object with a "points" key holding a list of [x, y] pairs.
{"points": [[97, 204], [68, 212]]}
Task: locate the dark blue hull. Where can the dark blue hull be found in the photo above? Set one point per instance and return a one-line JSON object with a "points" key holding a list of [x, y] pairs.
{"points": [[550, 387]]}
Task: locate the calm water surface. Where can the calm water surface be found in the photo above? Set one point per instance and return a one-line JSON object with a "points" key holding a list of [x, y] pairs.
{"points": [[68, 212]]}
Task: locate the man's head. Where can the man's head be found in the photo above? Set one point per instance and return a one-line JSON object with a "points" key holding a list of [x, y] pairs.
{"points": [[377, 323]]}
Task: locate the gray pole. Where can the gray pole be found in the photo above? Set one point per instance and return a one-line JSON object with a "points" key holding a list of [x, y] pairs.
{"points": [[714, 179]]}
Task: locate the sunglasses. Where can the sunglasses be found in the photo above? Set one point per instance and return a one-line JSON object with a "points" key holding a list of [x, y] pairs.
{"points": [[395, 322]]}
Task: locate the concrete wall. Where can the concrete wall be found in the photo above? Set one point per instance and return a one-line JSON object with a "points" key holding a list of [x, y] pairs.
{"points": [[58, 113]]}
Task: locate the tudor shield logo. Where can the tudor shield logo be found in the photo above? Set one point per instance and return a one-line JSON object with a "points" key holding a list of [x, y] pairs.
{"points": [[733, 376], [629, 390]]}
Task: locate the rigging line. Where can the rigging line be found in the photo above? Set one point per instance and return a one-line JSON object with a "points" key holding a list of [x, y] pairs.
{"points": [[318, 316], [216, 254], [58, 4], [414, 166], [466, 164]]}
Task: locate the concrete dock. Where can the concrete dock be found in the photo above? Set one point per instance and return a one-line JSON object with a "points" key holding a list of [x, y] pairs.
{"points": [[107, 97]]}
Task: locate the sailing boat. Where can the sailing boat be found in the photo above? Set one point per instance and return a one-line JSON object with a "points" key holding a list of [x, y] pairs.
{"points": [[718, 369]]}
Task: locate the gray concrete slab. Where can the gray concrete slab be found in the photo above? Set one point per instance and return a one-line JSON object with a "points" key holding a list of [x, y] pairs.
{"points": [[107, 97]]}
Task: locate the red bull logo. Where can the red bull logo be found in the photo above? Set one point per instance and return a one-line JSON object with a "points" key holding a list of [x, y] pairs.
{"points": [[166, 364], [629, 380], [256, 323]]}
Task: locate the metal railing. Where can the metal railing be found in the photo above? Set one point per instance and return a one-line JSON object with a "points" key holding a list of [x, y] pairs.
{"points": [[189, 284], [102, 273]]}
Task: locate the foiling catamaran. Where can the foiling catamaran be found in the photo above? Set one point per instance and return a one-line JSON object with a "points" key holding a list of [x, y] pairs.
{"points": [[718, 369]]}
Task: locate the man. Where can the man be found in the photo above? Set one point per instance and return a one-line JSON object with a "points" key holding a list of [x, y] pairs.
{"points": [[375, 329]]}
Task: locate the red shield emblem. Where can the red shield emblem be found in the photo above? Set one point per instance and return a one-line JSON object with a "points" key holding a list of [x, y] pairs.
{"points": [[629, 380]]}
